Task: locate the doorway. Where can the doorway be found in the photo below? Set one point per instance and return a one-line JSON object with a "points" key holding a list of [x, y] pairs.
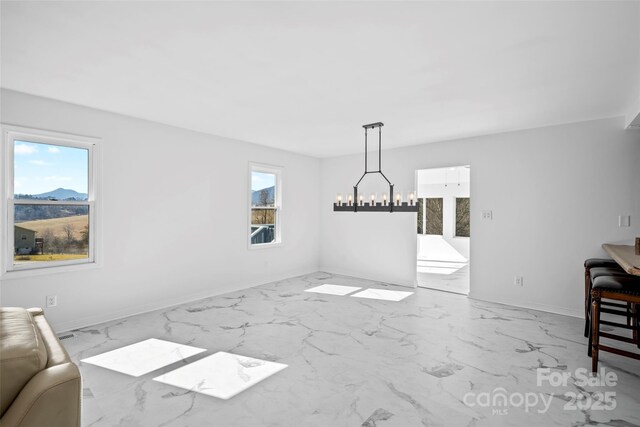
{"points": [[443, 228]]}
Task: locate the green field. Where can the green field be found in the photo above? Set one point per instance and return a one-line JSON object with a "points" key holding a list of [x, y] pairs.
{"points": [[52, 257], [57, 226]]}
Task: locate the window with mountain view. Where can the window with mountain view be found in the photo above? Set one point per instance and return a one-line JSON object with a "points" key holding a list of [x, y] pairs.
{"points": [[264, 227], [51, 201]]}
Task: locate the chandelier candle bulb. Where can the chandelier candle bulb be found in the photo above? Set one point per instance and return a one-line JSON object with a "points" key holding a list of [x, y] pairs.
{"points": [[373, 199], [339, 199], [398, 198], [361, 200], [350, 199], [384, 199], [411, 195]]}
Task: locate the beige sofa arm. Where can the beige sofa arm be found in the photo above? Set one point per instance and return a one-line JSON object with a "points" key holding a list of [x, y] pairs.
{"points": [[51, 398]]}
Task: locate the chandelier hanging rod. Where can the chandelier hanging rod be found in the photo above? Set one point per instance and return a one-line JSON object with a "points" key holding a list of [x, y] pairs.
{"points": [[366, 151]]}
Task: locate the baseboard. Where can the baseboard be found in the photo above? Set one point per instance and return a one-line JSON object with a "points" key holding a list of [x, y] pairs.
{"points": [[531, 306], [87, 321]]}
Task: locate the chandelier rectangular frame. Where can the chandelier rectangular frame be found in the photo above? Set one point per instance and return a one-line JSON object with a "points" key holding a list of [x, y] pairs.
{"points": [[359, 205]]}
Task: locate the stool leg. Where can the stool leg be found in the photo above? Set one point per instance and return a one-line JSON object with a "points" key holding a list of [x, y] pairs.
{"points": [[587, 301], [589, 325], [590, 341], [595, 332], [636, 323]]}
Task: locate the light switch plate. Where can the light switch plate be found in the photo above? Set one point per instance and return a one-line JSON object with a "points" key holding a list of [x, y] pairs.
{"points": [[487, 215], [624, 221]]}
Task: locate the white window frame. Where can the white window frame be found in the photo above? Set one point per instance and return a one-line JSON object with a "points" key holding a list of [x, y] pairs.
{"points": [[10, 134], [423, 219], [278, 172]]}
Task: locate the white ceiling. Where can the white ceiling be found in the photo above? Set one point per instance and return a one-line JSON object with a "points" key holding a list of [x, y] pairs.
{"points": [[304, 76]]}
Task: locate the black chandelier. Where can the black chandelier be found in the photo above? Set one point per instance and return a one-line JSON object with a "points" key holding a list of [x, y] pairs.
{"points": [[355, 204]]}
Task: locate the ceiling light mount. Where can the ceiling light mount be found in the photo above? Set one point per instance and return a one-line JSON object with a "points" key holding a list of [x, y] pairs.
{"points": [[355, 203]]}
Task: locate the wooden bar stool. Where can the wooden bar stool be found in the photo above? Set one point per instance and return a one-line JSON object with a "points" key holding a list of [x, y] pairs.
{"points": [[625, 290], [590, 264], [598, 272]]}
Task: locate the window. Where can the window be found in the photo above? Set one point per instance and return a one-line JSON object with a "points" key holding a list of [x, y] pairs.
{"points": [[463, 217], [265, 226], [51, 199], [430, 216]]}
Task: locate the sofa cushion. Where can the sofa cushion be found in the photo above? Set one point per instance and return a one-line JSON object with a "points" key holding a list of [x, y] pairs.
{"points": [[56, 353], [22, 353]]}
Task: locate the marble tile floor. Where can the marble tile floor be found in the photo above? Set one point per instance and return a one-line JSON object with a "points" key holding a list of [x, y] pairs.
{"points": [[143, 357], [333, 289], [455, 280], [429, 360], [221, 375], [382, 294]]}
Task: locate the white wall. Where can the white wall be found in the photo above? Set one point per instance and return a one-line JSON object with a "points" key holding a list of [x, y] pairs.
{"points": [[555, 193], [566, 187], [633, 110], [162, 186]]}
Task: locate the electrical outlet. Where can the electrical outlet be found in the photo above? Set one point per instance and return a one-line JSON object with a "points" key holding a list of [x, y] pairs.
{"points": [[518, 281], [52, 300], [487, 215]]}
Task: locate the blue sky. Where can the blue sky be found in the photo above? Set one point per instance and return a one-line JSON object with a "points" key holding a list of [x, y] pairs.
{"points": [[261, 180], [39, 168]]}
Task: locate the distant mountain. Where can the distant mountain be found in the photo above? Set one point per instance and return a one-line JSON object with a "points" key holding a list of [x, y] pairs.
{"points": [[58, 194], [256, 195]]}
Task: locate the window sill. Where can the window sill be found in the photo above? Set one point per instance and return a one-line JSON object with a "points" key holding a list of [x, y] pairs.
{"points": [[43, 271], [259, 246]]}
